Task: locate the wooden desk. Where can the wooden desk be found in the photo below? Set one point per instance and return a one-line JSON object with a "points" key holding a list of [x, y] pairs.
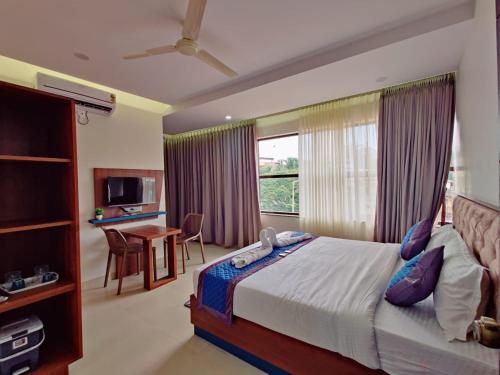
{"points": [[147, 233]]}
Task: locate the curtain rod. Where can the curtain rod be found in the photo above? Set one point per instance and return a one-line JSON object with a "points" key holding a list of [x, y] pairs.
{"points": [[209, 130], [403, 85]]}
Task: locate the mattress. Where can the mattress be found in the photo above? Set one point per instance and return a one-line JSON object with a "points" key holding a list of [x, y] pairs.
{"points": [[324, 294], [410, 342]]}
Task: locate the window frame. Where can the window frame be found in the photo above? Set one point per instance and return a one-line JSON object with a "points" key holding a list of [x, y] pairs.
{"points": [[289, 175]]}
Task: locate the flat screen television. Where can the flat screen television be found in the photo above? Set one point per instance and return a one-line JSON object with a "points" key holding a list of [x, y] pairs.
{"points": [[126, 191]]}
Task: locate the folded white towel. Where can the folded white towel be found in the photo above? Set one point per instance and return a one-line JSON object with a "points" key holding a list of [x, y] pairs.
{"points": [[268, 239], [285, 238], [265, 240], [250, 256]]}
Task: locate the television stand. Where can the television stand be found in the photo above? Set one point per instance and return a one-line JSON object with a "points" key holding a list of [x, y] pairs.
{"points": [[127, 218], [101, 176], [132, 210]]}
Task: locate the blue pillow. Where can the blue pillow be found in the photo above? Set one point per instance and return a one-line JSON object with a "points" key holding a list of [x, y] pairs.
{"points": [[417, 279], [416, 239]]}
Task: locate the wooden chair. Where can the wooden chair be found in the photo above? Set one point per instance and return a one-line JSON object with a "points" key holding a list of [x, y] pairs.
{"points": [[119, 246], [191, 230]]}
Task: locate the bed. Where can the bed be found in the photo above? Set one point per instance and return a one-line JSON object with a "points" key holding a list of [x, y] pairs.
{"points": [[301, 326], [410, 341]]}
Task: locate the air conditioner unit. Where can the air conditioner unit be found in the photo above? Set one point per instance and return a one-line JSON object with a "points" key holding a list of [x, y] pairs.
{"points": [[88, 98]]}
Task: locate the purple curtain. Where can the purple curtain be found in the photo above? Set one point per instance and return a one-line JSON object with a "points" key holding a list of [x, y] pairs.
{"points": [[214, 172], [415, 132]]}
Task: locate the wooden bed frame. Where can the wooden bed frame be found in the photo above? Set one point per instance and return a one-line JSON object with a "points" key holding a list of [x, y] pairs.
{"points": [[277, 354], [274, 349]]}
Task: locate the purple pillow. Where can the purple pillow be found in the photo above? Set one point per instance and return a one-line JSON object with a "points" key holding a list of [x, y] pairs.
{"points": [[416, 239], [416, 280]]}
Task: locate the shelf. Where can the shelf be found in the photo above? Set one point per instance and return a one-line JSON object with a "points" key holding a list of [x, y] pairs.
{"points": [[31, 296], [118, 219], [34, 159], [19, 226], [55, 362]]}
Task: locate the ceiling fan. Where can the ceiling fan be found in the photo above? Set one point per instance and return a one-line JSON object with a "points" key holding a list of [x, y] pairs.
{"points": [[187, 45]]}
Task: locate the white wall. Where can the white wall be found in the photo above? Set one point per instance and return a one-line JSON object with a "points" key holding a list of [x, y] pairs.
{"points": [[280, 222], [478, 131], [267, 127], [281, 124], [130, 138]]}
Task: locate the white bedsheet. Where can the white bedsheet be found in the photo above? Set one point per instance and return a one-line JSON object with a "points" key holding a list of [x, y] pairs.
{"points": [[410, 342], [324, 294]]}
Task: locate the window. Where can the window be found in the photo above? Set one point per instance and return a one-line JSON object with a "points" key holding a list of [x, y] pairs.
{"points": [[279, 174], [445, 214]]}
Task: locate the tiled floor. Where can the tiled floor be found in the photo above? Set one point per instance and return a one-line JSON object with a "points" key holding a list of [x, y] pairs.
{"points": [[146, 333]]}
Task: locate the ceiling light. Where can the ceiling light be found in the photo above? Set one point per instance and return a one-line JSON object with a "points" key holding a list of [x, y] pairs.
{"points": [[81, 56], [228, 117]]}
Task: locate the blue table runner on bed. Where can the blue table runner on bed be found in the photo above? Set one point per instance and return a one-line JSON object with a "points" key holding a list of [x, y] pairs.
{"points": [[216, 283]]}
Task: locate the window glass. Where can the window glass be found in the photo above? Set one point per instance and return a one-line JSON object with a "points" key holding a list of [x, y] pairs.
{"points": [[279, 194], [279, 174], [279, 155]]}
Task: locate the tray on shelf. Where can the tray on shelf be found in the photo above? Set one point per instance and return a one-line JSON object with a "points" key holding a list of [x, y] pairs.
{"points": [[30, 282]]}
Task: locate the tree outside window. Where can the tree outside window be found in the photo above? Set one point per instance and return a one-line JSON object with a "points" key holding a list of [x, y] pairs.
{"points": [[279, 174]]}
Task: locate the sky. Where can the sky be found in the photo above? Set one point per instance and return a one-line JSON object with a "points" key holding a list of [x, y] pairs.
{"points": [[279, 148]]}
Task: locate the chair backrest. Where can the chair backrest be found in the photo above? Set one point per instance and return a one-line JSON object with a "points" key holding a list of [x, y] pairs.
{"points": [[116, 240], [193, 224]]}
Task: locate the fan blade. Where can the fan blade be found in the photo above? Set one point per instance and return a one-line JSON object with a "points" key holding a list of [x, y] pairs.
{"points": [[136, 56], [151, 52], [215, 63], [194, 16], [161, 50]]}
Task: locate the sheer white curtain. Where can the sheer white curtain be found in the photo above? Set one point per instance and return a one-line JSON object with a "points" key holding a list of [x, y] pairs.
{"points": [[338, 167]]}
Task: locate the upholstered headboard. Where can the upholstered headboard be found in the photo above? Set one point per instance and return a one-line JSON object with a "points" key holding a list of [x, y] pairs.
{"points": [[479, 226]]}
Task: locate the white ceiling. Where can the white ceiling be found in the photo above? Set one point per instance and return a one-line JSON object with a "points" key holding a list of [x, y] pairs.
{"points": [[419, 57], [263, 40], [250, 36]]}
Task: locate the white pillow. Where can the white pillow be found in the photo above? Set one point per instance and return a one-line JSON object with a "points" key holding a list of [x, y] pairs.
{"points": [[439, 237], [458, 291]]}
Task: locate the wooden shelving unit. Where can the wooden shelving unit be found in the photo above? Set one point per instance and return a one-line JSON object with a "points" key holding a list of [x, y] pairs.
{"points": [[35, 295], [33, 159], [39, 221], [19, 226]]}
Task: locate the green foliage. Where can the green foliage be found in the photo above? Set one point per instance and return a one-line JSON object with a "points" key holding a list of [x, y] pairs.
{"points": [[280, 194], [99, 211], [288, 166]]}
